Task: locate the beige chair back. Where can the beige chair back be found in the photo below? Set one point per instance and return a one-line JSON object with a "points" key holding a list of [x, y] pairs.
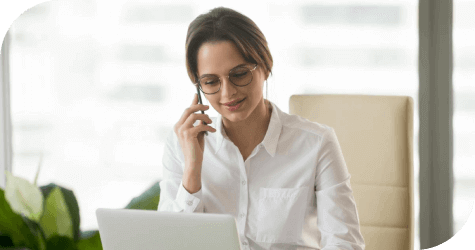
{"points": [[376, 137]]}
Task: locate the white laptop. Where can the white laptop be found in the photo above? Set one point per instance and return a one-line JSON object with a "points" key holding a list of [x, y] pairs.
{"points": [[125, 229]]}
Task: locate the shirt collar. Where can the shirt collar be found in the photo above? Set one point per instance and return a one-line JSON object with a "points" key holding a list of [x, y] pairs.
{"points": [[272, 135]]}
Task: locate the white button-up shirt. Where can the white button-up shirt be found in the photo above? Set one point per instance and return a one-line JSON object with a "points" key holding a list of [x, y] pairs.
{"points": [[292, 192]]}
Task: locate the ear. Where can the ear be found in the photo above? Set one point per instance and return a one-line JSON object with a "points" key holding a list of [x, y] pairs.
{"points": [[266, 73]]}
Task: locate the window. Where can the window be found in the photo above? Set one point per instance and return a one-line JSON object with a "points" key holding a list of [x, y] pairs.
{"points": [[464, 110]]}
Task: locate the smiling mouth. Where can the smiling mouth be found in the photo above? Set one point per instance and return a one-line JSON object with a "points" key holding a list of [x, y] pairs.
{"points": [[236, 103]]}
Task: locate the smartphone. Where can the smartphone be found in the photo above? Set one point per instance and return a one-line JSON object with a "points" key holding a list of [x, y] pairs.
{"points": [[199, 101]]}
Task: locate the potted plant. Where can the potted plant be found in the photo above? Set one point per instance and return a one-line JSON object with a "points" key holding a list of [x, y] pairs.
{"points": [[47, 217]]}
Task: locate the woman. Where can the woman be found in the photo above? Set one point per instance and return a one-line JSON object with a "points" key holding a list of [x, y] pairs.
{"points": [[283, 177]]}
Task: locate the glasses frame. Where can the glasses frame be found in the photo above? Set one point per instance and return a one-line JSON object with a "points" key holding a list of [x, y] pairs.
{"points": [[221, 82]]}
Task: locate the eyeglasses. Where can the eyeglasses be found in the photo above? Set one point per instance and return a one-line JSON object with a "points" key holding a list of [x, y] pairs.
{"points": [[240, 76]]}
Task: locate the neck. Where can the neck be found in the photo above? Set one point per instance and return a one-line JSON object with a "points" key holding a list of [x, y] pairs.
{"points": [[252, 130]]}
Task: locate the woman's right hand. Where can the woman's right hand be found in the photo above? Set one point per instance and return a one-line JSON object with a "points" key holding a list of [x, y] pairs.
{"points": [[192, 138]]}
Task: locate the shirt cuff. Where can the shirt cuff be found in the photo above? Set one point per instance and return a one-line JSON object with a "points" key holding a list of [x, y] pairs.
{"points": [[189, 202]]}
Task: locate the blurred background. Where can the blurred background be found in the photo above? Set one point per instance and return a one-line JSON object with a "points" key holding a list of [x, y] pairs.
{"points": [[95, 88]]}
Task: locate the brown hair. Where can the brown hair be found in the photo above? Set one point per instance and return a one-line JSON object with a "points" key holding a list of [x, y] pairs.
{"points": [[224, 24]]}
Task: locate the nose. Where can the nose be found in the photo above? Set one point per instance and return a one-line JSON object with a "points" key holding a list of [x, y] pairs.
{"points": [[227, 87]]}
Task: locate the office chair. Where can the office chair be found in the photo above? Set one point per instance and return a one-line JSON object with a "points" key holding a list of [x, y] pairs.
{"points": [[376, 137]]}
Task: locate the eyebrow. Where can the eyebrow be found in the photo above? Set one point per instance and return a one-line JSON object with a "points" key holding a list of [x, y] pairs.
{"points": [[242, 64]]}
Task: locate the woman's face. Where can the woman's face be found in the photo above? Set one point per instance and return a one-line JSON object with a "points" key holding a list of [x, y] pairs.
{"points": [[219, 58]]}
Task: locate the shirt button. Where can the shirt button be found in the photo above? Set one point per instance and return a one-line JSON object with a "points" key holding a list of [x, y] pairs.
{"points": [[244, 243], [189, 203], [242, 215], [243, 183]]}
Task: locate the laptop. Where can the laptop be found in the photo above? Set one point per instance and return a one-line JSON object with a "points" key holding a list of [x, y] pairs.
{"points": [[125, 229]]}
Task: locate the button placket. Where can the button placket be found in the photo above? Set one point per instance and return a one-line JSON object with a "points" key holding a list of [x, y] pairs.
{"points": [[243, 199], [242, 215]]}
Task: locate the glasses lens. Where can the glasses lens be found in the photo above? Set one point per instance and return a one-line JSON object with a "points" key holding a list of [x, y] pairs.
{"points": [[240, 76], [209, 84]]}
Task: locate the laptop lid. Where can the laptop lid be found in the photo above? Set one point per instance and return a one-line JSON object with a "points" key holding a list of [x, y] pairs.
{"points": [[125, 229]]}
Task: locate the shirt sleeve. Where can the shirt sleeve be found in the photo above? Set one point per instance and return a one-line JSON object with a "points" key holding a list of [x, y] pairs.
{"points": [[173, 196], [337, 216]]}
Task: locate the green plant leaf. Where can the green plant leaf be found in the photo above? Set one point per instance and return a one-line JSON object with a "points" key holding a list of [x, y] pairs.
{"points": [[16, 248], [148, 200], [90, 240], [13, 225], [56, 219], [6, 241], [58, 242], [24, 198], [37, 232], [72, 203]]}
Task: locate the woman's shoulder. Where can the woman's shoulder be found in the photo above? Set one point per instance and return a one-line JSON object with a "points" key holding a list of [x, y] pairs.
{"points": [[294, 121]]}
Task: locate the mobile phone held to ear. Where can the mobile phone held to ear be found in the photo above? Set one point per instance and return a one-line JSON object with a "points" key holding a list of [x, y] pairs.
{"points": [[199, 101]]}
